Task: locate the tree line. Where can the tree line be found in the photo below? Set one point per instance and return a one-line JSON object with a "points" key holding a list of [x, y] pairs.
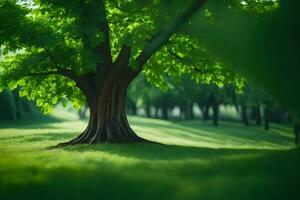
{"points": [[253, 104], [13, 107]]}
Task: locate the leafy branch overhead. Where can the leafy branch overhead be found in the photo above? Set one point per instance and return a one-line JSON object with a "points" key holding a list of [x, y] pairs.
{"points": [[79, 40]]}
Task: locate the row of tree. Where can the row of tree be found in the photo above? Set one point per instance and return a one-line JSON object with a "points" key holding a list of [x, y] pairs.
{"points": [[252, 103], [14, 107]]}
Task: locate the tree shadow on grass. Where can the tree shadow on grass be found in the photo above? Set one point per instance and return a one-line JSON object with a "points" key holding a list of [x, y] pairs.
{"points": [[162, 151], [166, 172]]}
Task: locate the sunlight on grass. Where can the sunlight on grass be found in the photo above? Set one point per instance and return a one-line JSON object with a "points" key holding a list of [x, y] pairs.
{"points": [[234, 158]]}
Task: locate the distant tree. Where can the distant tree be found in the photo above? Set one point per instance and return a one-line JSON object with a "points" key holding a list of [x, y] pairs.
{"points": [[82, 112], [13, 107]]}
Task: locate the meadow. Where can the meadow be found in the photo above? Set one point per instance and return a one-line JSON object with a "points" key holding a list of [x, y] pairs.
{"points": [[195, 160]]}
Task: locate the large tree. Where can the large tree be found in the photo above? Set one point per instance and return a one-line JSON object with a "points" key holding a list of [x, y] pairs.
{"points": [[91, 50]]}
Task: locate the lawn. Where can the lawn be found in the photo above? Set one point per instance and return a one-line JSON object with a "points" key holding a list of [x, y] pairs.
{"points": [[199, 161]]}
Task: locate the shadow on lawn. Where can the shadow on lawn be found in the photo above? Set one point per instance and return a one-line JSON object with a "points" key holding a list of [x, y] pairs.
{"points": [[168, 172], [160, 152]]}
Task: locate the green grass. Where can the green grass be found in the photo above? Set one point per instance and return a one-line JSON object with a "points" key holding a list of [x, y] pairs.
{"points": [[199, 162]]}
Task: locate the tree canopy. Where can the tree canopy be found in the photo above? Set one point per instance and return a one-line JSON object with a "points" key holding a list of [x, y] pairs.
{"points": [[49, 37]]}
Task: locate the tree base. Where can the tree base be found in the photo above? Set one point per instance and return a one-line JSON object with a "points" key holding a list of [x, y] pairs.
{"points": [[80, 140]]}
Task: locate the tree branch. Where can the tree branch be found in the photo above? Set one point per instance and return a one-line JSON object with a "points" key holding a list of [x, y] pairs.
{"points": [[81, 81], [160, 38], [105, 45], [124, 56], [47, 49]]}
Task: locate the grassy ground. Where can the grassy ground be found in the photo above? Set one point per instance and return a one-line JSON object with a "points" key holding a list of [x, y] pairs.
{"points": [[200, 162]]}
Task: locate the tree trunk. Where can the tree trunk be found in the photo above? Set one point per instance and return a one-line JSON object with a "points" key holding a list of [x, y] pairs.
{"points": [[134, 109], [296, 133], [164, 111], [156, 112], [82, 113], [267, 118], [206, 112], [182, 112], [18, 104], [108, 120], [148, 110], [244, 115], [258, 115], [190, 110], [215, 108]]}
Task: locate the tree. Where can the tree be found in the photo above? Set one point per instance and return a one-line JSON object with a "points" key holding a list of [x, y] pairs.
{"points": [[87, 50], [59, 51]]}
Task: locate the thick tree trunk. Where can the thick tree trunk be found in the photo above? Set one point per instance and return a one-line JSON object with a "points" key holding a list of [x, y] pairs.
{"points": [[106, 100], [108, 121]]}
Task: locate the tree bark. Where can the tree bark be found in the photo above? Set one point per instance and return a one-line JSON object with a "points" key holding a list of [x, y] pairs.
{"points": [[108, 120]]}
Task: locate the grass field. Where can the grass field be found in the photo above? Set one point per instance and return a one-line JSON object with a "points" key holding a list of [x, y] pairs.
{"points": [[199, 162]]}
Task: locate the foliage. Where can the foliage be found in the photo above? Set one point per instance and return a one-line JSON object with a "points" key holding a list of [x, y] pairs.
{"points": [[262, 48], [42, 38]]}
